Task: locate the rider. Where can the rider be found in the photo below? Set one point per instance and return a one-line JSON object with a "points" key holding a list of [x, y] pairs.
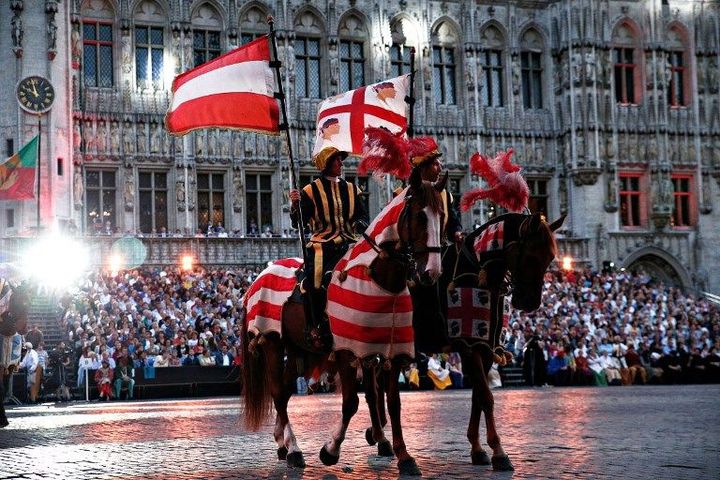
{"points": [[332, 208]]}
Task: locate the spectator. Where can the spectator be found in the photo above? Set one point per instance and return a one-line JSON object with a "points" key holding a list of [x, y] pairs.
{"points": [[85, 363], [454, 365], [103, 379], [206, 360], [439, 375], [223, 358], [635, 366], [35, 335], [30, 364], [124, 374]]}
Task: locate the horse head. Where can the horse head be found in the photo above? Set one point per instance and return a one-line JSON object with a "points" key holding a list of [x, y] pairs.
{"points": [[529, 257], [15, 316], [419, 226]]}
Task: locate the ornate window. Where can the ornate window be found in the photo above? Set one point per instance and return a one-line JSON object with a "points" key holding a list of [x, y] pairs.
{"points": [[97, 34], [252, 24], [207, 24], [531, 69], [100, 191], [626, 58], [400, 48], [210, 199], [631, 200], [153, 195], [307, 67], [678, 86], [538, 196], [444, 40], [258, 196], [149, 45], [361, 182], [353, 35], [683, 201], [493, 73]]}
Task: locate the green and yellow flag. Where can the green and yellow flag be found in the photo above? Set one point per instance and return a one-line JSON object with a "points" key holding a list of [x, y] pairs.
{"points": [[17, 173]]}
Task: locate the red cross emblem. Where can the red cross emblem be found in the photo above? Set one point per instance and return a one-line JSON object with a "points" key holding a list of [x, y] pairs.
{"points": [[491, 239]]}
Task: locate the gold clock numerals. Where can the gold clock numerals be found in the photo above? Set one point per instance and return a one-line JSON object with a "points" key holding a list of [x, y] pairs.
{"points": [[35, 94]]}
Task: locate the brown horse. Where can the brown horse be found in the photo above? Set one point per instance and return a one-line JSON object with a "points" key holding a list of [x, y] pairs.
{"points": [[271, 360], [493, 266], [12, 320]]}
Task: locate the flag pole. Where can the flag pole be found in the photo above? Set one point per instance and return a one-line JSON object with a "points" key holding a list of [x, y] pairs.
{"points": [[275, 64], [39, 149], [410, 99]]}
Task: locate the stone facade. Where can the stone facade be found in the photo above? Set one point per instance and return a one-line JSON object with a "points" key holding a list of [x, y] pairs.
{"points": [[543, 77]]}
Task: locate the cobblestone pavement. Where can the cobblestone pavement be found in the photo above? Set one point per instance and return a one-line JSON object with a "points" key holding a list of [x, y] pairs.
{"points": [[614, 432]]}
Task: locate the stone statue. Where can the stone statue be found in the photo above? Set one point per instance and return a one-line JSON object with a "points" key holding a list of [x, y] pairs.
{"points": [[77, 138], [272, 147], [576, 67], [16, 25], [52, 33], [237, 145], [611, 198], [200, 143], [191, 193], [115, 138], [141, 138], [180, 195], [666, 191], [469, 70], [75, 45], [155, 139], [237, 193], [129, 191], [427, 69], [516, 75], [128, 139], [78, 187], [291, 61], [126, 62], [563, 195], [225, 144], [713, 81], [609, 147], [589, 66], [652, 150], [334, 64], [212, 143], [101, 138]]}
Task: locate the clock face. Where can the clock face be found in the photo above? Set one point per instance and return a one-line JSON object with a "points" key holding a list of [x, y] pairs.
{"points": [[35, 94]]}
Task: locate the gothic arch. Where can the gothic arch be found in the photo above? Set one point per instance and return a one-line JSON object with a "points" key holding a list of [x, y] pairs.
{"points": [[538, 29], [678, 35], [627, 32], [163, 9], [100, 9], [660, 264], [360, 30], [301, 24], [447, 25], [248, 19], [490, 25], [526, 42], [197, 5], [411, 38]]}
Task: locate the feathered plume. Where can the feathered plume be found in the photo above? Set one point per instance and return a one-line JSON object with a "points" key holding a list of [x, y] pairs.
{"points": [[385, 152], [506, 186]]}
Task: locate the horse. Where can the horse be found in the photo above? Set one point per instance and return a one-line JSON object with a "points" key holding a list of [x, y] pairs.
{"points": [[14, 306], [508, 255], [404, 237]]}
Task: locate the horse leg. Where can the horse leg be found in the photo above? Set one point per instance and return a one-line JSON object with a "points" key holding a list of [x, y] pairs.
{"points": [[406, 463], [375, 397], [3, 419], [500, 460], [279, 434], [477, 454], [330, 452]]}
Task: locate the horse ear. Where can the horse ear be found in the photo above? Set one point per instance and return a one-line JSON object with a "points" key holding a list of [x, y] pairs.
{"points": [[416, 179], [557, 223], [535, 222], [442, 182]]}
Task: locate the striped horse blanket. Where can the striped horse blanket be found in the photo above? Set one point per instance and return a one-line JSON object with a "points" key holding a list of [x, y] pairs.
{"points": [[266, 296], [365, 319]]}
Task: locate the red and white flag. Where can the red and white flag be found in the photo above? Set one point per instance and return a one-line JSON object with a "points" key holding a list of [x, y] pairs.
{"points": [[342, 119], [235, 90]]}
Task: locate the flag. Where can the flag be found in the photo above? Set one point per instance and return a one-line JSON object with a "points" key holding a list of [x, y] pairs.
{"points": [[342, 119], [17, 173], [235, 90]]}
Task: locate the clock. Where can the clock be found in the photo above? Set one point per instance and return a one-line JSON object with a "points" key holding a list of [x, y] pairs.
{"points": [[35, 94]]}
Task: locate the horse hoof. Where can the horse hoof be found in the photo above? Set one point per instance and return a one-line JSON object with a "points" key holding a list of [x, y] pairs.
{"points": [[480, 458], [282, 453], [328, 458], [409, 467], [295, 460], [502, 463], [385, 449], [369, 437]]}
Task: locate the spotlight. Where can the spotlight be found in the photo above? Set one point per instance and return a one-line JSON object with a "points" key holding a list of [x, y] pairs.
{"points": [[187, 262], [115, 264], [567, 263], [56, 261]]}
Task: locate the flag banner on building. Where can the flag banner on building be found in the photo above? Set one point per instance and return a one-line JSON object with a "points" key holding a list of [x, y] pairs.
{"points": [[235, 90], [342, 119], [17, 173]]}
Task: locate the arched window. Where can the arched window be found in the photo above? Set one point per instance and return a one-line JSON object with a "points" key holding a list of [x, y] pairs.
{"points": [[353, 36], [444, 42], [626, 58], [97, 22], [493, 69], [252, 24], [150, 19], [206, 24], [678, 86], [531, 68], [403, 38], [309, 32]]}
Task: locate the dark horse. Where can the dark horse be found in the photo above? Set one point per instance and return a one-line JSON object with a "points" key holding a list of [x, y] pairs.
{"points": [[13, 320], [493, 265], [270, 361]]}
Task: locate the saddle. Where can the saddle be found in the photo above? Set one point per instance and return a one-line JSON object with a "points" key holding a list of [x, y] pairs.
{"points": [[318, 337]]}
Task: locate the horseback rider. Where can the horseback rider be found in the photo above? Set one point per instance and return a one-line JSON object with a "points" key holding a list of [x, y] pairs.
{"points": [[333, 209]]}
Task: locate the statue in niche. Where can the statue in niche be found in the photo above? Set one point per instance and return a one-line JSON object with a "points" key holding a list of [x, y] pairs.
{"points": [[225, 144], [291, 61], [609, 147], [178, 144], [580, 145], [469, 70], [427, 70], [126, 62], [77, 138], [101, 139], [652, 150], [589, 66], [52, 33], [261, 145], [611, 198], [188, 46], [539, 157], [129, 191], [633, 150], [334, 64], [75, 46], [200, 143], [238, 191], [516, 75], [691, 152], [621, 148], [716, 154], [115, 138], [16, 26], [712, 75], [192, 189], [212, 143], [302, 147], [141, 138], [180, 195], [237, 145], [576, 67], [462, 153], [78, 187], [128, 139], [563, 195], [665, 194], [155, 139]]}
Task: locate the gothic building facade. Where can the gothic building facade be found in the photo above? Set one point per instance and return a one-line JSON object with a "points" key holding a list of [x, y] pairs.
{"points": [[611, 106]]}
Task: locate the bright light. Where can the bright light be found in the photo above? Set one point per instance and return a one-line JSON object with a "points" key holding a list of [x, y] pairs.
{"points": [[168, 71], [115, 263], [56, 261], [187, 262], [567, 263]]}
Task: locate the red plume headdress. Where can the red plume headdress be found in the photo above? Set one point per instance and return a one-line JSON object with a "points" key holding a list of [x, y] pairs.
{"points": [[385, 152], [506, 186]]}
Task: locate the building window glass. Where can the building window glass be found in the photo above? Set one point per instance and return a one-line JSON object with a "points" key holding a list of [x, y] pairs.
{"points": [[149, 48], [492, 90], [630, 200], [307, 67], [624, 75], [98, 54], [399, 60], [153, 202], [206, 45], [100, 191], [677, 80], [248, 37], [352, 65], [211, 200], [531, 68], [444, 74], [9, 218], [538, 196], [258, 197], [361, 182], [683, 201]]}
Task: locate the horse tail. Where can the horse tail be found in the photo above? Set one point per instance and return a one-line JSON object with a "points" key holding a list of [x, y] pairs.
{"points": [[257, 399]]}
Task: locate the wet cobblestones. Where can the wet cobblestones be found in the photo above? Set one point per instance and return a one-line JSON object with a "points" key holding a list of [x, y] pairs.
{"points": [[586, 433]]}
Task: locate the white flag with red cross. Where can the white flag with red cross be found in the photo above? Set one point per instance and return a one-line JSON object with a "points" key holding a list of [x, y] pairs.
{"points": [[342, 119]]}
